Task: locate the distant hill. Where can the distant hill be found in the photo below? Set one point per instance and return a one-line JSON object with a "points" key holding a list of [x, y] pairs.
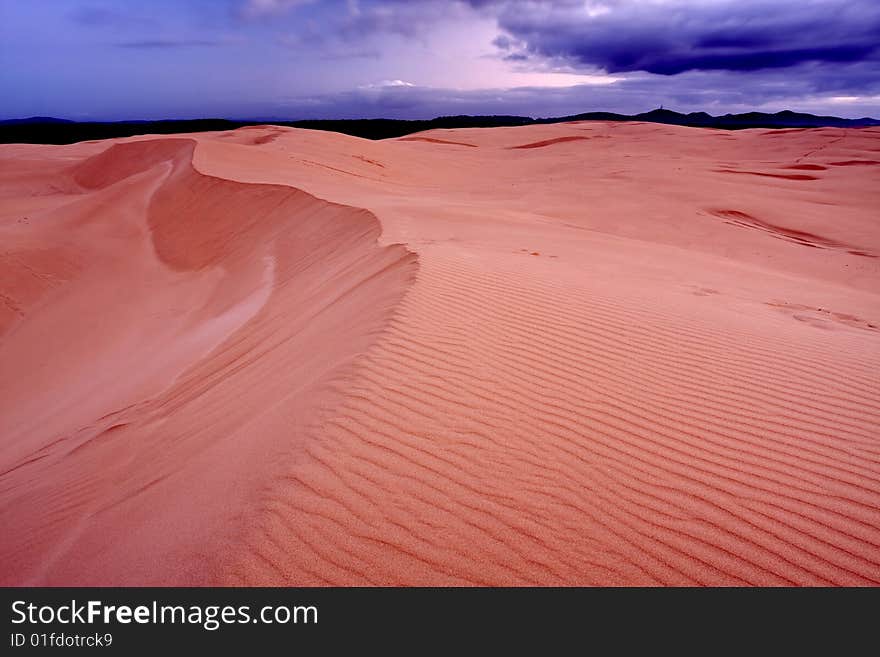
{"points": [[48, 130], [38, 120], [783, 119]]}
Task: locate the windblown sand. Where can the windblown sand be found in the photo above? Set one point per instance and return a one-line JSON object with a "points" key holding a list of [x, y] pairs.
{"points": [[578, 354]]}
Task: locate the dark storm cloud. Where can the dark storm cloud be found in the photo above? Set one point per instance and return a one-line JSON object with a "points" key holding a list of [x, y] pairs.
{"points": [[717, 92], [675, 36], [296, 58], [665, 37]]}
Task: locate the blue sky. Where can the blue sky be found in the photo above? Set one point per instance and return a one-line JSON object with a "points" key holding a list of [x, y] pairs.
{"points": [[121, 59]]}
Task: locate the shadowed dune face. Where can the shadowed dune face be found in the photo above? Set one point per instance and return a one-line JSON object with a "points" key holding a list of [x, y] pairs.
{"points": [[783, 176], [855, 163], [170, 334], [737, 218], [550, 142], [276, 356], [437, 141]]}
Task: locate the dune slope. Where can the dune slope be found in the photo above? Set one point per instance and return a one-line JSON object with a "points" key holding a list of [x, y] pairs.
{"points": [[582, 353], [172, 333]]}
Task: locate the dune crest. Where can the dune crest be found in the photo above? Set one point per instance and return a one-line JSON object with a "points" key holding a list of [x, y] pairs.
{"points": [[172, 343]]}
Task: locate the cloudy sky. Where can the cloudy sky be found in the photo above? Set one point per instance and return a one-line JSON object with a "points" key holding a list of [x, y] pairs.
{"points": [[263, 59]]}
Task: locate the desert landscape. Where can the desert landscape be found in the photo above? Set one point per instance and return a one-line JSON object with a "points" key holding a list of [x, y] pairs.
{"points": [[585, 353]]}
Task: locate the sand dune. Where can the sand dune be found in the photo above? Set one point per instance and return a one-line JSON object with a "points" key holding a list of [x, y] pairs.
{"points": [[587, 353]]}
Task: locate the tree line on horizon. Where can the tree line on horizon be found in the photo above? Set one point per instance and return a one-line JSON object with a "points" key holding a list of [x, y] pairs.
{"points": [[47, 130]]}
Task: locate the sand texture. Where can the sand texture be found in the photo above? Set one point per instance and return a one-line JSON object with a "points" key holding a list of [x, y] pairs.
{"points": [[575, 354]]}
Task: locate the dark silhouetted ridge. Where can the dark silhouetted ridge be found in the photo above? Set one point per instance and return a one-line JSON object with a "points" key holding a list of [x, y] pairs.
{"points": [[47, 130]]}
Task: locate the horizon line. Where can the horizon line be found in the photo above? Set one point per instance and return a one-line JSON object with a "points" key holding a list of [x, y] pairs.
{"points": [[241, 119]]}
